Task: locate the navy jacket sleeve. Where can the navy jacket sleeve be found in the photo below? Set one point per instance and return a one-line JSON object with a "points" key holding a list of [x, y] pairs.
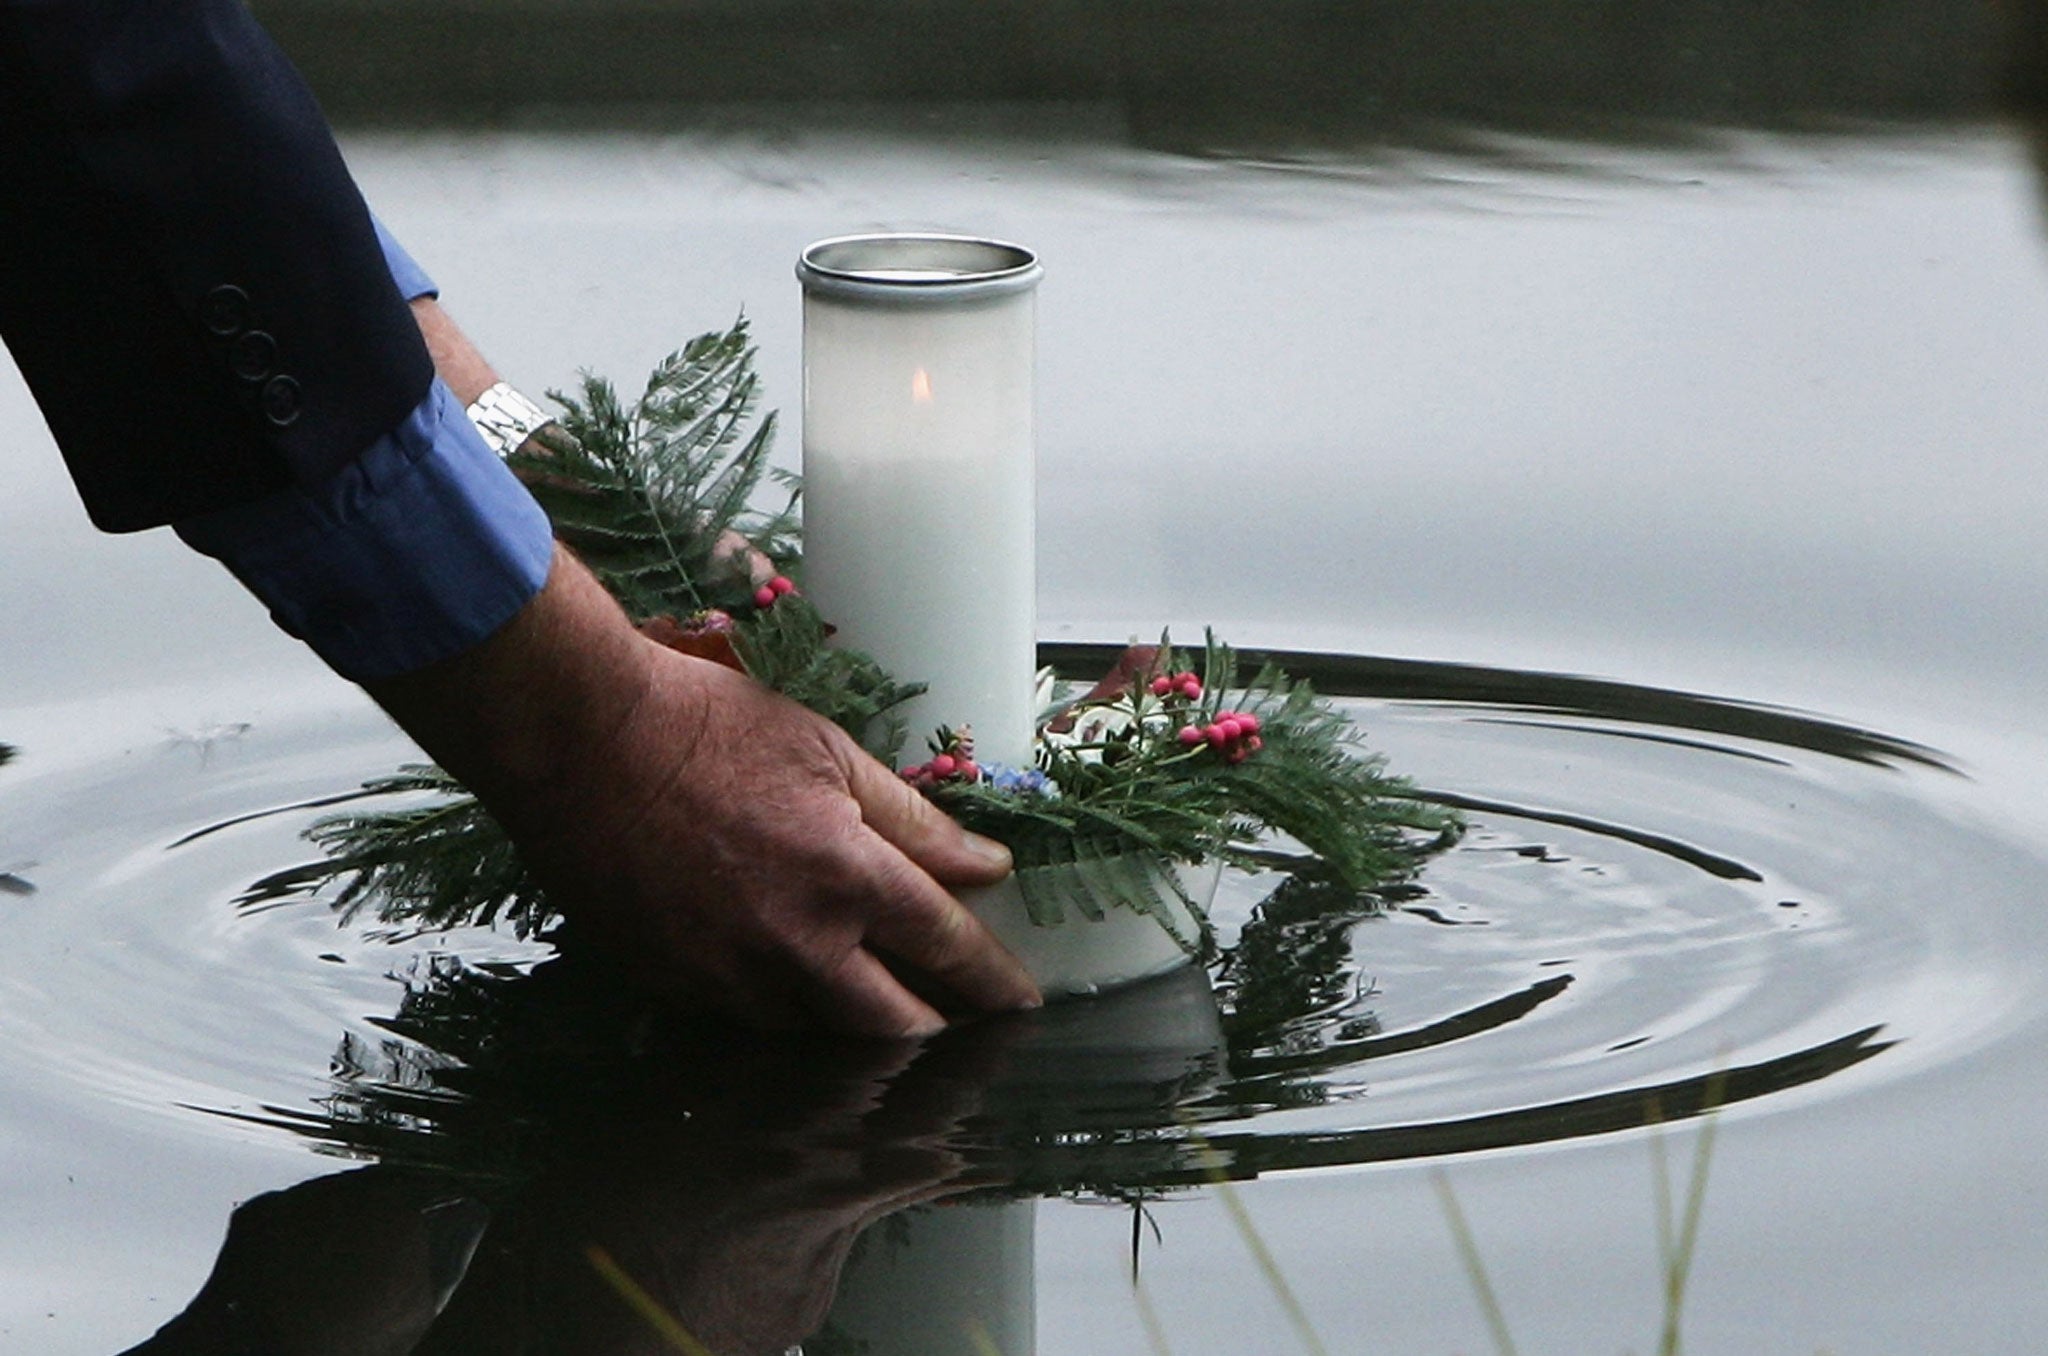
{"points": [[189, 280], [218, 334]]}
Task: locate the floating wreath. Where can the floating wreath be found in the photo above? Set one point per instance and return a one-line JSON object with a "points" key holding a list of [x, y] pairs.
{"points": [[1168, 759]]}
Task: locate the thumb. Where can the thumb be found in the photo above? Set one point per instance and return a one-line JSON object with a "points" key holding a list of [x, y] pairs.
{"points": [[921, 830]]}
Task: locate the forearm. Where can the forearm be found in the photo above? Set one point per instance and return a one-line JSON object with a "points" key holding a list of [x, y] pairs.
{"points": [[457, 361], [517, 712]]}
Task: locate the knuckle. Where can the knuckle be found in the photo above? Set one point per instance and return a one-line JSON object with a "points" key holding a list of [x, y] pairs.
{"points": [[949, 943]]}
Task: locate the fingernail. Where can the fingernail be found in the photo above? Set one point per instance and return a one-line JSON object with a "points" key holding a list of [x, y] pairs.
{"points": [[992, 854]]}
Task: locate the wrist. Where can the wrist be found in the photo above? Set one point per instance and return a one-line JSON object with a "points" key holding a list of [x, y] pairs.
{"points": [[456, 360], [506, 419], [515, 715]]}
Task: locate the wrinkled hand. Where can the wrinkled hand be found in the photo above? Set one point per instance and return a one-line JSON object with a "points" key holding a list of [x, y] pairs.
{"points": [[727, 844], [734, 835]]}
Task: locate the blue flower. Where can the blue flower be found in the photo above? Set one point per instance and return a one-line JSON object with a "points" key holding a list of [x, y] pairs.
{"points": [[1028, 781]]}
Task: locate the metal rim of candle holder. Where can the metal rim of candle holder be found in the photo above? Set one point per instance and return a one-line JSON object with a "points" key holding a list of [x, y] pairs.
{"points": [[908, 268]]}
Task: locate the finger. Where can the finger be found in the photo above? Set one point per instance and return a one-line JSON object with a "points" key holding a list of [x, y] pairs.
{"points": [[860, 996], [921, 830], [927, 929], [733, 546]]}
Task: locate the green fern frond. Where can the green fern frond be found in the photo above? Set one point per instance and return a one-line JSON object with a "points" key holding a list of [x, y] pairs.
{"points": [[437, 865], [784, 646], [646, 495]]}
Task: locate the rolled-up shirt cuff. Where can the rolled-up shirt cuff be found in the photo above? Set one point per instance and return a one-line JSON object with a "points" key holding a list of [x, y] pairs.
{"points": [[416, 551], [413, 281]]}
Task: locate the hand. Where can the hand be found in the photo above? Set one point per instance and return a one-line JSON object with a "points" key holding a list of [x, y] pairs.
{"points": [[726, 837], [726, 843]]}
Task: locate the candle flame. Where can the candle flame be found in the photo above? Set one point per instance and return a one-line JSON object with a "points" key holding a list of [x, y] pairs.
{"points": [[921, 386]]}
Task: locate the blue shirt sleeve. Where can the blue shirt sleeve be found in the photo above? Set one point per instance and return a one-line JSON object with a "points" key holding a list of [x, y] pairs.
{"points": [[413, 281], [421, 548]]}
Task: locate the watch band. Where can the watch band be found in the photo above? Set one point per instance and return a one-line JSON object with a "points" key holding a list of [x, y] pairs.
{"points": [[506, 418]]}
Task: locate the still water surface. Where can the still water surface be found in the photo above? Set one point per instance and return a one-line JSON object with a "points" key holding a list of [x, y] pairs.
{"points": [[1751, 413]]}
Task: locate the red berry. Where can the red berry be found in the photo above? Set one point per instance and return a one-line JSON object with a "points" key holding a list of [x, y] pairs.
{"points": [[909, 774], [781, 584], [1214, 734], [1231, 729], [942, 764], [1249, 721], [967, 770], [1191, 687], [1254, 744], [1236, 756], [1161, 685], [765, 596], [1190, 736]]}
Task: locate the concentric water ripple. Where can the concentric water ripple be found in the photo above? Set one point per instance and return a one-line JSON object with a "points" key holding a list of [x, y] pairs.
{"points": [[1665, 903]]}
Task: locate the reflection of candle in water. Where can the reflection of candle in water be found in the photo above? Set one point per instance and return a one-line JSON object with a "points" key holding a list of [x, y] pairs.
{"points": [[919, 515], [939, 1280]]}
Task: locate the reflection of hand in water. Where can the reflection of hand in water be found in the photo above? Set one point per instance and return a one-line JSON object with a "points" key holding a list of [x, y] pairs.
{"points": [[730, 1188], [727, 1172], [736, 1220]]}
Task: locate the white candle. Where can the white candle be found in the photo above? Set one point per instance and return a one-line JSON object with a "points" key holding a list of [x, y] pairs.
{"points": [[919, 473]]}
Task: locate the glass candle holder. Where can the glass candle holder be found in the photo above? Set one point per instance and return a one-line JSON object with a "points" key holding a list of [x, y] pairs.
{"points": [[919, 472]]}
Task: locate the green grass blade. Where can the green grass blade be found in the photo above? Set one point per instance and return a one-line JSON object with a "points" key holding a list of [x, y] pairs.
{"points": [[1678, 1269], [1475, 1267], [1255, 1243], [1148, 1314], [1269, 1267], [640, 1302], [978, 1337]]}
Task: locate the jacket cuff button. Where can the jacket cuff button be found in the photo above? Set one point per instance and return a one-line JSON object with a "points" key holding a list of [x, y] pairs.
{"points": [[225, 311], [282, 400], [253, 356]]}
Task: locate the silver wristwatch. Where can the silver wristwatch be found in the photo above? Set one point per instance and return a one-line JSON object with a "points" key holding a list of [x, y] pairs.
{"points": [[506, 418]]}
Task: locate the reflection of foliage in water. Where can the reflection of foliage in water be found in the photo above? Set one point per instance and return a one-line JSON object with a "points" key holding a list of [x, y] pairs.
{"points": [[724, 1170], [490, 1070], [1289, 986], [481, 1064], [1198, 79]]}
